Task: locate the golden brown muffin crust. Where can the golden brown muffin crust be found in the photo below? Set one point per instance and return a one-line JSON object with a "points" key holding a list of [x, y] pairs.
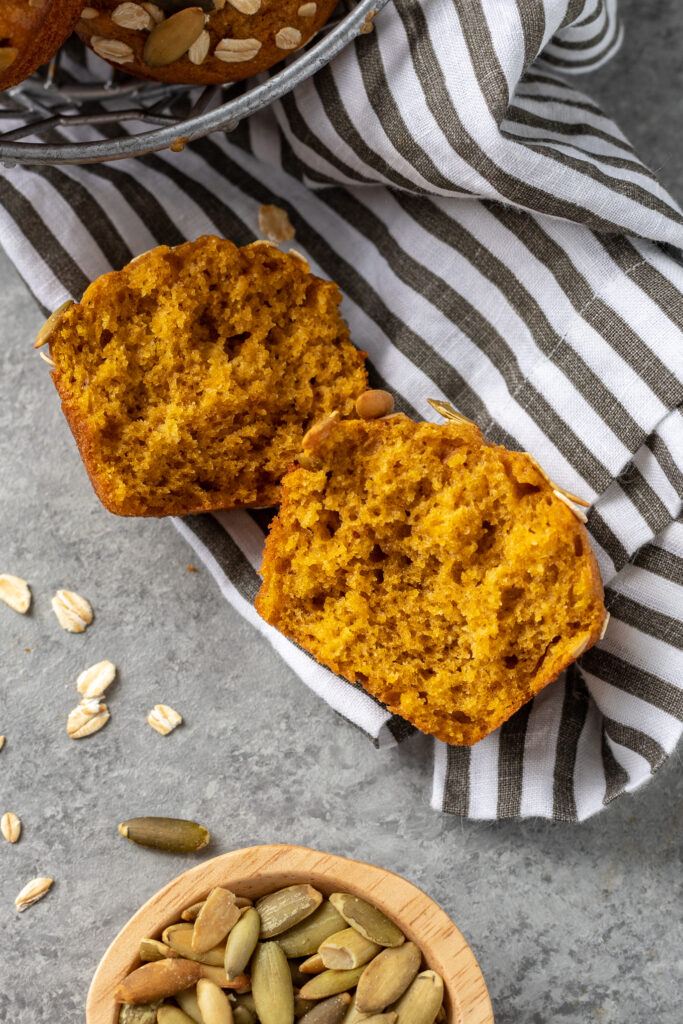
{"points": [[31, 32], [438, 571], [251, 35], [189, 377]]}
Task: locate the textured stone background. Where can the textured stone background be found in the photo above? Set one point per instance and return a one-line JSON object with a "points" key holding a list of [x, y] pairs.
{"points": [[570, 924]]}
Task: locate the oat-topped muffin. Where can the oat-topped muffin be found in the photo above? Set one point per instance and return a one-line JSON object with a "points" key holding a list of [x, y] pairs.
{"points": [[31, 32], [442, 573], [205, 42], [190, 377]]}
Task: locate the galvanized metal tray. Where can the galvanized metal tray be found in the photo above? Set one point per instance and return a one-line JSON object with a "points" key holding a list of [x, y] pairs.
{"points": [[177, 114]]}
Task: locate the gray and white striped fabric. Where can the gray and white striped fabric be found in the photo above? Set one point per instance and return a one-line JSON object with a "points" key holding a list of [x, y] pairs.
{"points": [[499, 245]]}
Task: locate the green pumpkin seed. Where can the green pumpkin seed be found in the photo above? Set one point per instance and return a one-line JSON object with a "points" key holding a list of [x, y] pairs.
{"points": [[347, 949], [51, 322], [420, 1003], [329, 983], [218, 975], [216, 918], [177, 926], [387, 977], [138, 1014], [157, 981], [304, 938], [329, 1011], [380, 1018], [366, 919], [241, 1015], [242, 942], [298, 977], [174, 835], [151, 949], [187, 1001], [179, 938], [192, 913], [302, 1006], [271, 985], [281, 910], [171, 39], [354, 1016], [312, 965], [168, 1014], [214, 1005], [245, 999]]}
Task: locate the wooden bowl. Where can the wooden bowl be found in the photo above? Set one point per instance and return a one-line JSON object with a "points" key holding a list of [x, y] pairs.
{"points": [[261, 869]]}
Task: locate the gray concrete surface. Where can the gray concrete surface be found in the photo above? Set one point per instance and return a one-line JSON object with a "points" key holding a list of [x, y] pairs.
{"points": [[642, 87], [570, 924]]}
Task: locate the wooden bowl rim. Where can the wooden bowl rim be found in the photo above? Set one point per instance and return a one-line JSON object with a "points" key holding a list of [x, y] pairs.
{"points": [[443, 945]]}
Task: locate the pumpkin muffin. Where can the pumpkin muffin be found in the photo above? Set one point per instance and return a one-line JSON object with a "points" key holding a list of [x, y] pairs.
{"points": [[31, 32], [190, 377], [203, 42], [446, 575]]}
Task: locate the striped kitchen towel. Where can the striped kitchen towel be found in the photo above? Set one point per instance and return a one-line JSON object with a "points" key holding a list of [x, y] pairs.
{"points": [[499, 245]]}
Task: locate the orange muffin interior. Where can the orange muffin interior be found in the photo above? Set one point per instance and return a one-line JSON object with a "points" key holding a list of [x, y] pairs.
{"points": [[438, 571], [190, 376]]}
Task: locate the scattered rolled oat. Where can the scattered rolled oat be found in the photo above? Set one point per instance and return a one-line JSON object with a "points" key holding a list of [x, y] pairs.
{"points": [[164, 719], [85, 719], [233, 51], [112, 49], [10, 827], [245, 6], [32, 892], [287, 38], [73, 611], [2, 742], [94, 680], [15, 592], [155, 12], [133, 16], [89, 13], [198, 51], [274, 224]]}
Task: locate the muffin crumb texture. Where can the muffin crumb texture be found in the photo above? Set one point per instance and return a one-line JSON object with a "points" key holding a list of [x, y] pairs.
{"points": [[190, 377], [436, 570]]}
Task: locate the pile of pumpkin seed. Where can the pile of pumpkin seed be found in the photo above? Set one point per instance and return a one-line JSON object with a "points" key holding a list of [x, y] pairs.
{"points": [[290, 956]]}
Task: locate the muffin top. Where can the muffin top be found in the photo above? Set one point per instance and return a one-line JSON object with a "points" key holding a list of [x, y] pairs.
{"points": [[200, 41]]}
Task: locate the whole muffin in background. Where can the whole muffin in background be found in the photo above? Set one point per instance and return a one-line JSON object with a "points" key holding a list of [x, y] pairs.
{"points": [[204, 42], [31, 32], [440, 572], [190, 377]]}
